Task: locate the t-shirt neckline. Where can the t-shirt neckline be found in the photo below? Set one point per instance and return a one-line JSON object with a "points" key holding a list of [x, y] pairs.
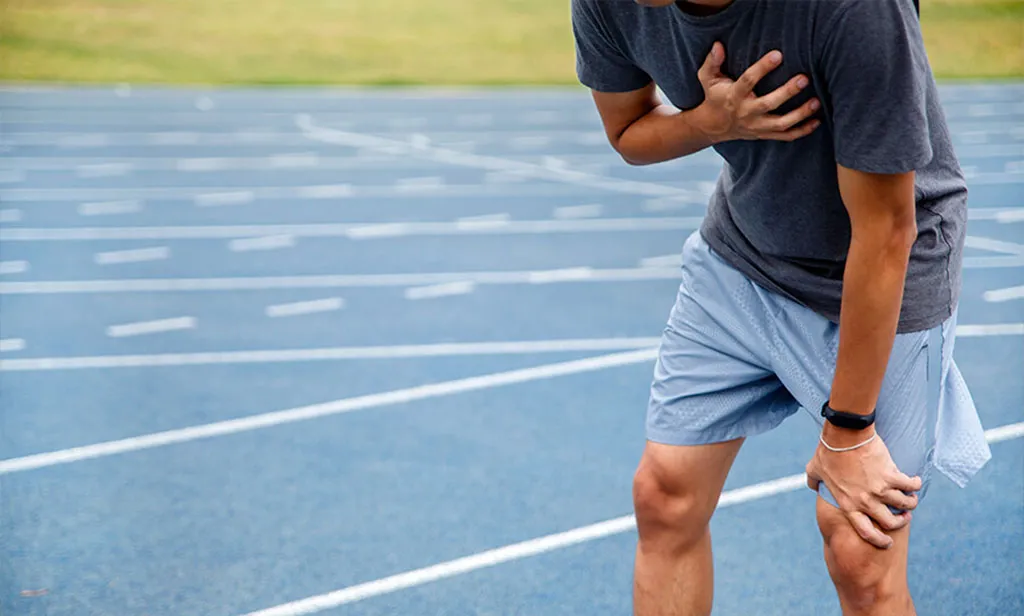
{"points": [[727, 15]]}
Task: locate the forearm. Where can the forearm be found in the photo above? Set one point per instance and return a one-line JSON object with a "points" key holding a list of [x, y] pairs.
{"points": [[873, 282], [662, 134]]}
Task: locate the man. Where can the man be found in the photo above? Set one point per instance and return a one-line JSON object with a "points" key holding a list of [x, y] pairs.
{"points": [[825, 276]]}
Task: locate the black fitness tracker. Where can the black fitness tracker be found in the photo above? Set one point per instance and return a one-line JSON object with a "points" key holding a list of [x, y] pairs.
{"points": [[850, 421]]}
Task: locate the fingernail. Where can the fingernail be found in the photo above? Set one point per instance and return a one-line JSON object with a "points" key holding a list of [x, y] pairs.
{"points": [[802, 82], [815, 104], [775, 56]]}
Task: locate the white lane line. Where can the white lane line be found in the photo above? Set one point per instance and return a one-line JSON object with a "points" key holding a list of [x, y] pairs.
{"points": [[102, 170], [268, 242], [296, 160], [137, 255], [391, 229], [1014, 166], [151, 327], [202, 164], [328, 191], [485, 221], [673, 260], [10, 215], [665, 204], [987, 243], [541, 545], [1008, 216], [109, 208], [217, 199], [13, 267], [997, 329], [345, 405], [420, 183], [994, 213], [445, 289], [575, 212], [328, 304], [9, 345], [444, 349], [561, 275], [11, 176], [1004, 295], [992, 262]]}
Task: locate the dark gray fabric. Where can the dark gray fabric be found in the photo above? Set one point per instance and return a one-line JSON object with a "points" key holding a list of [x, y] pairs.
{"points": [[776, 214]]}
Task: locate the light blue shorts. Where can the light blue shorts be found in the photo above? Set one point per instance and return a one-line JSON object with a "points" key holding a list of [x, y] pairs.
{"points": [[736, 360]]}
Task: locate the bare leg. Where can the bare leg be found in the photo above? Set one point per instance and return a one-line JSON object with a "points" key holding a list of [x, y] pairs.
{"points": [[675, 492], [870, 581]]}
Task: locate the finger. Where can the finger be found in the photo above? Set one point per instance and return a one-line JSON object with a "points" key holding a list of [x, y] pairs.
{"points": [[712, 66], [903, 482], [768, 63], [887, 519], [813, 479], [793, 134], [779, 124], [899, 500], [774, 99], [868, 531]]}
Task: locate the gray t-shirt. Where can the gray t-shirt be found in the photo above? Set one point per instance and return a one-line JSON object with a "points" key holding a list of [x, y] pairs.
{"points": [[777, 215]]}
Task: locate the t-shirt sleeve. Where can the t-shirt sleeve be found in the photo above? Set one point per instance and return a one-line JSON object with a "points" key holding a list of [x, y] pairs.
{"points": [[600, 62], [877, 73]]}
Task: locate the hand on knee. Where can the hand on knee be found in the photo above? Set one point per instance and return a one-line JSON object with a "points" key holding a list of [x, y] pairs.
{"points": [[669, 518]]}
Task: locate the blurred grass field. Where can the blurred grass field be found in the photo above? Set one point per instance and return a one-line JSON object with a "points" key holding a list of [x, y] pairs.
{"points": [[380, 42]]}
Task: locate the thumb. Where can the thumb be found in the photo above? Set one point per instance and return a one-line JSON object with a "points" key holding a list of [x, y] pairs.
{"points": [[813, 479], [712, 64]]}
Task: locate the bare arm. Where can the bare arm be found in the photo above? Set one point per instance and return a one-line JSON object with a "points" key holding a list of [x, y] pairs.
{"points": [[644, 131]]}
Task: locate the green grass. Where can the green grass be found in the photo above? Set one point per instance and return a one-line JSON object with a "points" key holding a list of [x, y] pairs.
{"points": [[383, 42]]}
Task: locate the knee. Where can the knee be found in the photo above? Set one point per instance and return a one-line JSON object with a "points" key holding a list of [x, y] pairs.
{"points": [[863, 575], [667, 514]]}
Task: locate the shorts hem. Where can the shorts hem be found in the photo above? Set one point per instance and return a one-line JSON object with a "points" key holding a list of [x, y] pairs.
{"points": [[683, 438]]}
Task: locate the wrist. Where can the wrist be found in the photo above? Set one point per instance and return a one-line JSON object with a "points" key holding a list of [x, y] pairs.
{"points": [[699, 119], [844, 437]]}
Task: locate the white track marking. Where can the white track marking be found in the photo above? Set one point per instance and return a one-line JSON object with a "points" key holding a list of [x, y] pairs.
{"points": [[998, 329], [329, 304], [102, 170], [268, 242], [574, 212], [336, 407], [202, 164], [664, 204], [561, 275], [10, 215], [987, 243], [11, 176], [9, 345], [445, 289], [487, 163], [674, 260], [299, 160], [484, 221], [516, 227], [444, 349], [1004, 295], [391, 229], [109, 208], [327, 191], [994, 213], [992, 262], [541, 545], [1009, 216], [1014, 166], [151, 327], [217, 199], [13, 267], [138, 255]]}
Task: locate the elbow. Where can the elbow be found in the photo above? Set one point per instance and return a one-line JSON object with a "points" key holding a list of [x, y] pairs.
{"points": [[629, 157], [894, 237]]}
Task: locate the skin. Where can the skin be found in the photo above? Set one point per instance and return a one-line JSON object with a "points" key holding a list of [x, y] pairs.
{"points": [[676, 488]]}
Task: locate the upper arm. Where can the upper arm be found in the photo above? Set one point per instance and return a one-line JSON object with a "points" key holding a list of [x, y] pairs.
{"points": [[877, 76], [602, 61], [619, 110], [879, 204]]}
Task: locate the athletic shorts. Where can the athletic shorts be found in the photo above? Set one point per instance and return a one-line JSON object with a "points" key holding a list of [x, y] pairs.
{"points": [[736, 360]]}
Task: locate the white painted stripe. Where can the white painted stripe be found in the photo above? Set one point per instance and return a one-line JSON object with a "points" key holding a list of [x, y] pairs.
{"points": [[11, 176], [994, 213], [10, 215], [998, 329], [445, 289], [554, 163], [9, 345], [151, 327], [269, 242], [1004, 295], [485, 221], [573, 212], [419, 141], [393, 229], [445, 349], [314, 411], [665, 204], [674, 260], [329, 191], [101, 170], [328, 304], [109, 208], [295, 160], [987, 243], [541, 545], [992, 262], [216, 199], [13, 267], [138, 255], [1014, 166], [422, 183], [202, 164], [1009, 216], [561, 275]]}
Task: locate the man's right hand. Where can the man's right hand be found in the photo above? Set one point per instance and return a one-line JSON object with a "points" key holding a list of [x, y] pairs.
{"points": [[732, 111]]}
